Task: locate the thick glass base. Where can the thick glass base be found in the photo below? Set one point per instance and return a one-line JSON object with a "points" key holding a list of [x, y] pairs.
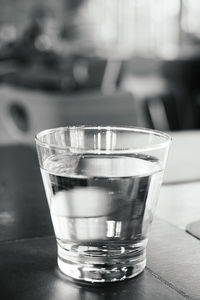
{"points": [[99, 268]]}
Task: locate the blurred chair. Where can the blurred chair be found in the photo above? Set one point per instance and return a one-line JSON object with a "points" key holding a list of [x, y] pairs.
{"points": [[23, 113], [154, 100], [157, 113], [163, 112]]}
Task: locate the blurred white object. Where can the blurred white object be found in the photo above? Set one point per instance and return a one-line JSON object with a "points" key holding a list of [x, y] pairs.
{"points": [[191, 17], [120, 29]]}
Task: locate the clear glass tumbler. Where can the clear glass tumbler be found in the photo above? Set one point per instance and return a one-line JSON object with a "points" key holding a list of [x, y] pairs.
{"points": [[102, 185]]}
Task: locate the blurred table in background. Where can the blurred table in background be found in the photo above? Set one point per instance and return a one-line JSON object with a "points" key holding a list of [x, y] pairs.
{"points": [[184, 160], [179, 202], [25, 112]]}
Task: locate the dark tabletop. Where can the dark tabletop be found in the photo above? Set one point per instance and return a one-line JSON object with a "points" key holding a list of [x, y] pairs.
{"points": [[23, 206], [28, 268]]}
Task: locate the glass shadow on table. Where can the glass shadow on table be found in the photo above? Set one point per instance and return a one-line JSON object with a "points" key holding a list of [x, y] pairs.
{"points": [[29, 271]]}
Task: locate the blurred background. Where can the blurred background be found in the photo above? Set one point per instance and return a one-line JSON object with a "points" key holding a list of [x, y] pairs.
{"points": [[98, 62]]}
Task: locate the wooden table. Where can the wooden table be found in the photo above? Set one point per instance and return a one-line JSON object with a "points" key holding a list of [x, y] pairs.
{"points": [[28, 268]]}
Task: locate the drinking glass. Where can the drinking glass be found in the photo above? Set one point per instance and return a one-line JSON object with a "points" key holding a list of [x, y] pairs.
{"points": [[102, 185]]}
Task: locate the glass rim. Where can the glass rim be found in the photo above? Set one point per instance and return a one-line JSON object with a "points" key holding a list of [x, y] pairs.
{"points": [[166, 138]]}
